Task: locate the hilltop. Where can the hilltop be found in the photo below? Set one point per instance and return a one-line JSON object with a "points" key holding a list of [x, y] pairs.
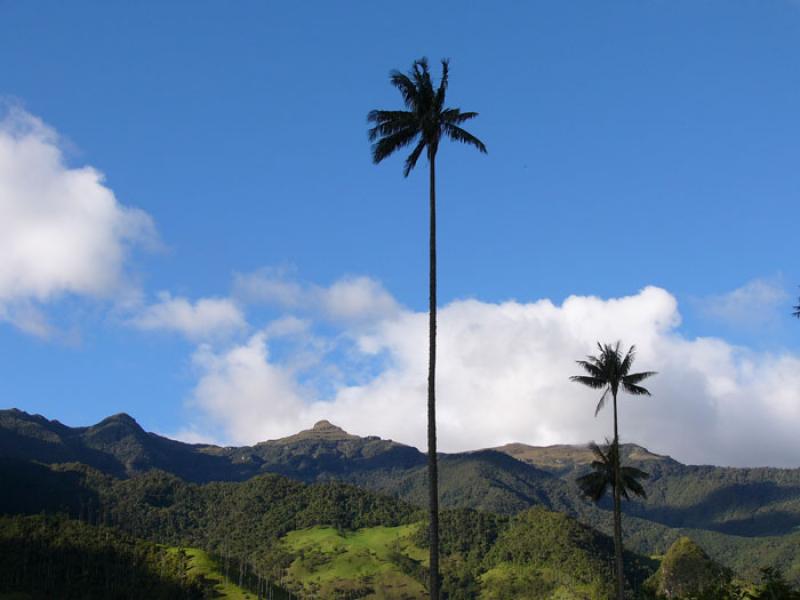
{"points": [[564, 459]]}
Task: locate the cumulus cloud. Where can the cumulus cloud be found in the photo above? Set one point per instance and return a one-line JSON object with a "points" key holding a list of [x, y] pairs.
{"points": [[351, 299], [62, 230], [757, 303], [244, 382], [503, 376], [206, 318]]}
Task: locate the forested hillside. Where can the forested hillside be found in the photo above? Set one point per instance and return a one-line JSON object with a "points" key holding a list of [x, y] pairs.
{"points": [[55, 557], [233, 503], [273, 529], [741, 502]]}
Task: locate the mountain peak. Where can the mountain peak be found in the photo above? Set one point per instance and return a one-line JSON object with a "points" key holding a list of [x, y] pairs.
{"points": [[120, 419], [324, 426], [322, 430]]}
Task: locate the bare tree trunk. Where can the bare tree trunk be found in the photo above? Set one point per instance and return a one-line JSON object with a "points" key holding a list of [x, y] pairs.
{"points": [[618, 508], [433, 467]]}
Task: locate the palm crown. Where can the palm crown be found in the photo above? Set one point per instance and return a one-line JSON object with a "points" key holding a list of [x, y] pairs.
{"points": [[595, 484], [425, 121], [609, 371]]}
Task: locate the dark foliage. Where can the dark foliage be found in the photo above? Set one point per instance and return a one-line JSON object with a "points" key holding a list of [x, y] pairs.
{"points": [[425, 122], [603, 476], [53, 557]]}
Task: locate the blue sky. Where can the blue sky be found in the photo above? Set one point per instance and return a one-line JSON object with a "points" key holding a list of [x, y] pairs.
{"points": [[631, 144]]}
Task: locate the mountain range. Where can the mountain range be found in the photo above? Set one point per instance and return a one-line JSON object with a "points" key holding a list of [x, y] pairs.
{"points": [[732, 512]]}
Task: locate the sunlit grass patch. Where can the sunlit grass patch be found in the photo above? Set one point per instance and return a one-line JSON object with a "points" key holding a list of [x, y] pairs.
{"points": [[202, 565], [333, 563]]}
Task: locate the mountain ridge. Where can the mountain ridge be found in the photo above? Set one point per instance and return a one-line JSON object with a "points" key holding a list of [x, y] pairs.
{"points": [[321, 430], [748, 502], [732, 511]]}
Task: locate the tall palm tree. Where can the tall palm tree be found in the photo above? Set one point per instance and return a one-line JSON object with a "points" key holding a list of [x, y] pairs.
{"points": [[424, 123], [610, 371]]}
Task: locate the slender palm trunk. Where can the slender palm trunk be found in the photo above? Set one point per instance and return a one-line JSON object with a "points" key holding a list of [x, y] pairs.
{"points": [[433, 467], [618, 508]]}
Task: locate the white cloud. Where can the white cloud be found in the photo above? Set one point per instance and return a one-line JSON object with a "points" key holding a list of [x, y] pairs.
{"points": [[503, 376], [243, 383], [206, 318], [27, 318], [350, 299], [357, 298], [271, 286], [62, 230], [757, 303]]}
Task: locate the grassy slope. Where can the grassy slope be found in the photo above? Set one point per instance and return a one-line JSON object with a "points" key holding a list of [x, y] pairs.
{"points": [[202, 566], [334, 563]]}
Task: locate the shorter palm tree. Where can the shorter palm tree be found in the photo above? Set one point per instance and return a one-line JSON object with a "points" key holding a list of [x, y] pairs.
{"points": [[610, 371], [603, 475]]}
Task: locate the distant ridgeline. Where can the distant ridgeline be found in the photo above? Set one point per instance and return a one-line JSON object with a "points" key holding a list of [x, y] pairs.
{"points": [[515, 521]]}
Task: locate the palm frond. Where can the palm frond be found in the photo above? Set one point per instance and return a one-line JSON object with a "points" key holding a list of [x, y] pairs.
{"points": [[406, 87], [593, 485], [592, 382], [389, 123], [455, 133], [591, 367], [635, 487], [635, 473], [422, 79], [635, 378], [608, 352], [635, 390], [388, 145], [602, 402], [456, 117], [630, 482], [796, 312], [597, 451], [627, 362], [412, 159], [442, 91], [610, 356], [386, 116]]}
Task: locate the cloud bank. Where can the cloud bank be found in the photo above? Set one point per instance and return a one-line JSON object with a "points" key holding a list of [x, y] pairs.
{"points": [[350, 299], [62, 230], [503, 376], [203, 319], [757, 304]]}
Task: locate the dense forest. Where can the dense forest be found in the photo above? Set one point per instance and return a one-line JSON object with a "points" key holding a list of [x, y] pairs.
{"points": [[57, 557]]}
